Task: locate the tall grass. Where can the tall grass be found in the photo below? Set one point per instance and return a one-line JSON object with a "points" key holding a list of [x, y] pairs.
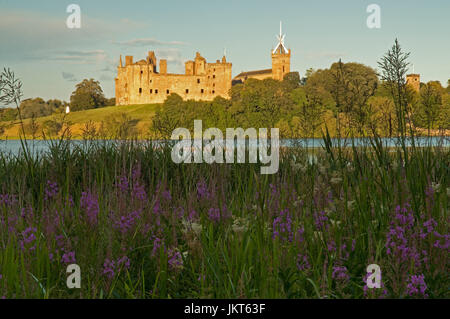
{"points": [[140, 226]]}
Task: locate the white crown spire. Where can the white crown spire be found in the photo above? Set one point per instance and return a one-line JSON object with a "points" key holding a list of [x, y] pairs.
{"points": [[280, 46]]}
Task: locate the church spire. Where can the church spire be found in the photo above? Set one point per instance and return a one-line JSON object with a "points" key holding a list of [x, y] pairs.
{"points": [[280, 46]]}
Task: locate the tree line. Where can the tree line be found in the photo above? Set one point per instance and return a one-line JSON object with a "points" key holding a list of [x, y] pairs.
{"points": [[88, 94], [348, 99]]}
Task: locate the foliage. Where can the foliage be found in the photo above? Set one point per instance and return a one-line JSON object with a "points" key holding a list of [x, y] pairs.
{"points": [[88, 94], [140, 226]]}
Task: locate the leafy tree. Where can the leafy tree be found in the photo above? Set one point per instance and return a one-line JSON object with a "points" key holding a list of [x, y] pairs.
{"points": [[291, 81], [36, 107], [430, 105], [383, 115], [88, 94], [167, 118], [8, 114]]}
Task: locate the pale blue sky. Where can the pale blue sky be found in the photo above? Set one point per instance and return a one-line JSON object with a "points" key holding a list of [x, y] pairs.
{"points": [[51, 59]]}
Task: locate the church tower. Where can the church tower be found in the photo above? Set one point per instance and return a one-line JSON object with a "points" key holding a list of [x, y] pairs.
{"points": [[414, 81], [281, 58]]}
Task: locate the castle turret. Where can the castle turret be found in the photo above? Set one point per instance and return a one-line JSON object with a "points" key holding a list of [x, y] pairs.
{"points": [[163, 66], [128, 60], [414, 81]]}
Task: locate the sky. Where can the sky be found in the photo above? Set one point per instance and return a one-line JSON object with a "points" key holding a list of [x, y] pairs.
{"points": [[51, 59]]}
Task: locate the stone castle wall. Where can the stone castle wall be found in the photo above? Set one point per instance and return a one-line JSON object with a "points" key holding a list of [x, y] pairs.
{"points": [[140, 83]]}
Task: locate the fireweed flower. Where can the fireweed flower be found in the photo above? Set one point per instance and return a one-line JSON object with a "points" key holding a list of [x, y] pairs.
{"points": [[400, 242], [125, 223], [51, 190], [340, 273], [28, 239], [157, 244], [202, 190], [302, 262], [175, 259], [109, 267], [123, 184], [69, 257], [320, 220], [89, 204], [139, 192], [416, 286], [282, 226], [123, 262], [7, 200], [216, 215]]}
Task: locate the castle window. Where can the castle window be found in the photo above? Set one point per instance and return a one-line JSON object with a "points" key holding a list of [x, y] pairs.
{"points": [[167, 91], [156, 91], [140, 90], [142, 72], [150, 81], [213, 92], [214, 84], [202, 91], [214, 76], [151, 91], [198, 81], [187, 91]]}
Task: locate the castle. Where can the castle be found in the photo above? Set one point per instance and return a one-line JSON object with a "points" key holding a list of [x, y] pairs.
{"points": [[142, 83], [414, 81]]}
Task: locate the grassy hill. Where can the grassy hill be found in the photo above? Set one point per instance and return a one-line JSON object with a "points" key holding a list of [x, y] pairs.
{"points": [[141, 115]]}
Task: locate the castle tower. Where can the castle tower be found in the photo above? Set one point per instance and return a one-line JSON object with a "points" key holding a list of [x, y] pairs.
{"points": [[414, 81], [281, 58]]}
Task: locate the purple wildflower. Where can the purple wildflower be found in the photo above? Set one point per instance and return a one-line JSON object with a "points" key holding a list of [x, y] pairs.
{"points": [[320, 220], [175, 260], [125, 223], [416, 286], [340, 273], [69, 258], [109, 268], [302, 262], [51, 190], [202, 190], [7, 200], [282, 226], [28, 238], [89, 203]]}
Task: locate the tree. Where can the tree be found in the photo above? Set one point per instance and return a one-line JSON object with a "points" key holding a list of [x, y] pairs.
{"points": [[87, 95], [167, 118], [430, 105], [394, 66], [383, 115], [36, 107], [350, 85], [291, 81]]}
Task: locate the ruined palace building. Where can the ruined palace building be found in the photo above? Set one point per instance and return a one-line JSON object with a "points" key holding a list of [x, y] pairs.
{"points": [[142, 83]]}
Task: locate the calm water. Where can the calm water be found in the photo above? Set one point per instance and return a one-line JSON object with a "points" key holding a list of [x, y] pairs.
{"points": [[38, 146]]}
